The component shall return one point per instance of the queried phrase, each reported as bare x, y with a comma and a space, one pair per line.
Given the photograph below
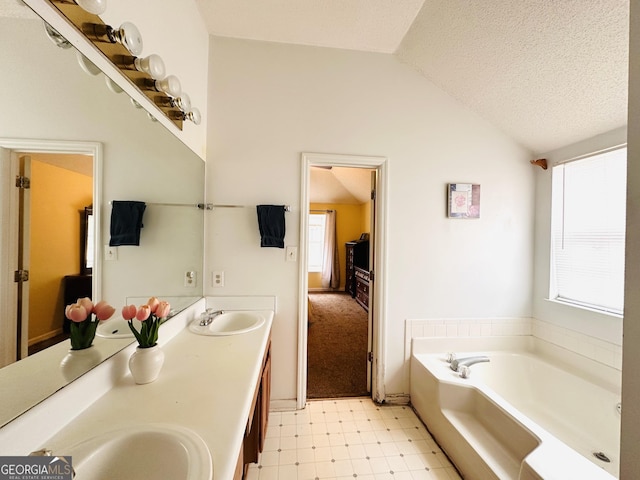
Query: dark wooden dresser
362, 287
357, 259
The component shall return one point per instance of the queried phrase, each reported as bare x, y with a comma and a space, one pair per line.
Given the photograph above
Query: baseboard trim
397, 399
282, 405
44, 336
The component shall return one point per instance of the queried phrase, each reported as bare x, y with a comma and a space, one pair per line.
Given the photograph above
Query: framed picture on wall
463, 200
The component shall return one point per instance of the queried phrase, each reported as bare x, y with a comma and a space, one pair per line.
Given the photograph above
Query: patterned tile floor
347, 439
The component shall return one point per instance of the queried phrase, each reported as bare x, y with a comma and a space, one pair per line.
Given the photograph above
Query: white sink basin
229, 323
143, 452
114, 328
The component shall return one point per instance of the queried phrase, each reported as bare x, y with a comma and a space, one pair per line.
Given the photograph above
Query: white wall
604, 327
270, 102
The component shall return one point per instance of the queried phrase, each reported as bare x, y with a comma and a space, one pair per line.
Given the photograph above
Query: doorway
351, 307
338, 340
45, 212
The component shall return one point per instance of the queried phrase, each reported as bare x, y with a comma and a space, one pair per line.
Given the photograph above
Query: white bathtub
535, 411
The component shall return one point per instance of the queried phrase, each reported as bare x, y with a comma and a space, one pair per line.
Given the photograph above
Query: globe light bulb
183, 102
169, 85
113, 86
194, 116
151, 65
87, 65
96, 7
128, 35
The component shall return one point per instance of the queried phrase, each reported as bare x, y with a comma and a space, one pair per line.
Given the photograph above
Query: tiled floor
347, 438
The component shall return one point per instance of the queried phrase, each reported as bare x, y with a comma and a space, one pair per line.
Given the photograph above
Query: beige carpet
336, 347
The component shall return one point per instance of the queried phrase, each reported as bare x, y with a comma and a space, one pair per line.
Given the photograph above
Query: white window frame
316, 221
588, 232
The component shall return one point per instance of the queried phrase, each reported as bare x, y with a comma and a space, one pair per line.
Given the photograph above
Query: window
316, 241
588, 230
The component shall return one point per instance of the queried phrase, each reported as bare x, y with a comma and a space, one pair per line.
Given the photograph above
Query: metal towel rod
204, 206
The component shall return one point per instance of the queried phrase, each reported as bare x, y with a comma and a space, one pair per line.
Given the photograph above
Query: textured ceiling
546, 72
371, 25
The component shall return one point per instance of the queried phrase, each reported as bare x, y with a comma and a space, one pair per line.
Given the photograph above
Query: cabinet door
265, 398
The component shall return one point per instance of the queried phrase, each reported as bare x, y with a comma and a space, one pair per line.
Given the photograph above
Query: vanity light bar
90, 25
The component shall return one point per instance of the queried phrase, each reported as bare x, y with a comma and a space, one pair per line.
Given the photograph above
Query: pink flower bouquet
151, 316
84, 316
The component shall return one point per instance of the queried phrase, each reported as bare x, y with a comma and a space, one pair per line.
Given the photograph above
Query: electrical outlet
190, 279
291, 254
110, 253
217, 279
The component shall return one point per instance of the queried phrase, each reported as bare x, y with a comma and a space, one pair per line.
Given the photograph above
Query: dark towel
126, 222
271, 223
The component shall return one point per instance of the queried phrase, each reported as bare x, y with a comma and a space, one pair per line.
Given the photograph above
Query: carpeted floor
336, 346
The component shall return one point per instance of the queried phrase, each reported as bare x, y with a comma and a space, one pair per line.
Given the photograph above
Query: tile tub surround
340, 439
206, 385
590, 347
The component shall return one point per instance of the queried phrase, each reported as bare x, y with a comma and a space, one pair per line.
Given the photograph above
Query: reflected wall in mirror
50, 97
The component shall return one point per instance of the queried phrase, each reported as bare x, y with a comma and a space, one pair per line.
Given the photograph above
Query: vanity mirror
46, 95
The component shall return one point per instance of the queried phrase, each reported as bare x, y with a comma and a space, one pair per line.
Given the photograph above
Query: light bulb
55, 36
169, 85
113, 86
93, 6
87, 65
151, 65
183, 102
194, 116
128, 35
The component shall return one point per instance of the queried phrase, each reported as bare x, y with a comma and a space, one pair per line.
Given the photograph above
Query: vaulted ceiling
546, 72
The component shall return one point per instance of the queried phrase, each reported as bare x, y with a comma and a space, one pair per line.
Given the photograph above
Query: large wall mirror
49, 94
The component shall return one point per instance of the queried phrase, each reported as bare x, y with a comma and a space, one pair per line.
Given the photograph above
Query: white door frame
22, 145
379, 295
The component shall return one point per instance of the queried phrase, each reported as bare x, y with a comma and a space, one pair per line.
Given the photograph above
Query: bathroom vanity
216, 387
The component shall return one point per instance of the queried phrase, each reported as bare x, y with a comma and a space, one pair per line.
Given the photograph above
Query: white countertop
206, 384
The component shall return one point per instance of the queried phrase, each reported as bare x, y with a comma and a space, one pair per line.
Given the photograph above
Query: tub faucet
462, 365
208, 317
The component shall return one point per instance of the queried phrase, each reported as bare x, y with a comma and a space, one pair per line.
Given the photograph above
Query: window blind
588, 231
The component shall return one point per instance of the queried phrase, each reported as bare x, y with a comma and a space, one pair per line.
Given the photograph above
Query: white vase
78, 362
145, 364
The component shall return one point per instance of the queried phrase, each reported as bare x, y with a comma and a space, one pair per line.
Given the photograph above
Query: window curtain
330, 262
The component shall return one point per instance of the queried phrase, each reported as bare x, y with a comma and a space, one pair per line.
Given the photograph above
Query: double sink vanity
205, 417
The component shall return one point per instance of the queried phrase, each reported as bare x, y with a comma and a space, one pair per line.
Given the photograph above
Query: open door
8, 259
372, 277
21, 276
14, 255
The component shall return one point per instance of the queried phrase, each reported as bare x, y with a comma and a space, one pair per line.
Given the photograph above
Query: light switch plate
110, 253
292, 254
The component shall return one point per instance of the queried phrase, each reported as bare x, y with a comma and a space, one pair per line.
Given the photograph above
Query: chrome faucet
208, 316
463, 365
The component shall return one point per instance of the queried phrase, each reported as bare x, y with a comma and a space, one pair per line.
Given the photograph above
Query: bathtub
536, 411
